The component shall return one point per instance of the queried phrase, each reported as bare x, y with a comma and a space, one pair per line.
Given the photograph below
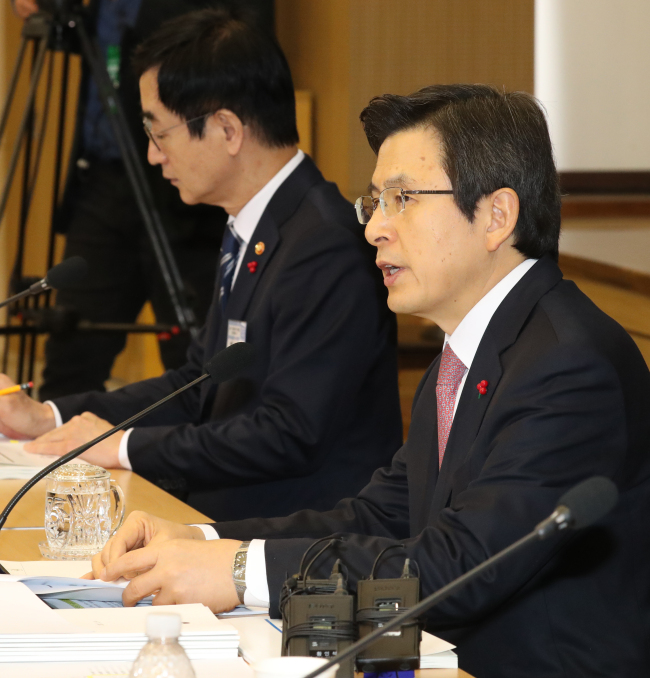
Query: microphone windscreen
590, 500
230, 362
68, 273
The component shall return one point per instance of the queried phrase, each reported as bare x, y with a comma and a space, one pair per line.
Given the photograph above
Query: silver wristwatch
239, 570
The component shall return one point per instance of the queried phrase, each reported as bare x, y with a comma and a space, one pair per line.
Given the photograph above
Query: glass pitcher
78, 516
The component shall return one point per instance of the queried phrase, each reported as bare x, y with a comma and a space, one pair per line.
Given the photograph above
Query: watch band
239, 570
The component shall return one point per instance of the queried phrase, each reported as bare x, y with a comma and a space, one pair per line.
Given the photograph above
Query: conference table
140, 494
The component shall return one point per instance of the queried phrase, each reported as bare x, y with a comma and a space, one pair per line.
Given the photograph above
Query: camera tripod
61, 30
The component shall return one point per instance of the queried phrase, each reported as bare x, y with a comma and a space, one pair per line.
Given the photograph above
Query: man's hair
489, 140
214, 59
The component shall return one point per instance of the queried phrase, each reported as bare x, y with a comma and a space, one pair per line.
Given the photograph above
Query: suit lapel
423, 435
281, 207
501, 332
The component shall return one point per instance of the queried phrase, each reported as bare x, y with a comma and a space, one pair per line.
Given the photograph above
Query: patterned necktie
449, 378
228, 262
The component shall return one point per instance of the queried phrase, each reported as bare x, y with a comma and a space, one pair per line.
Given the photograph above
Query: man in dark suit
302, 427
100, 218
543, 389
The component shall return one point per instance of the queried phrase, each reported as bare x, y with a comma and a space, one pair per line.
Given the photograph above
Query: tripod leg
12, 86
58, 162
36, 73
137, 177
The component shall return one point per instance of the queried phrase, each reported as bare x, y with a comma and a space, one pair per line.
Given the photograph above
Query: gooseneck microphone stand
581, 506
54, 32
222, 367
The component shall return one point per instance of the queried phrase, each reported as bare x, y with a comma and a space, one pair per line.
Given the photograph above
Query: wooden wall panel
399, 47
315, 37
347, 51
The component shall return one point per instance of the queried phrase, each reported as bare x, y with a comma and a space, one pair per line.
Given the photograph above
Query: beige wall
592, 59
347, 51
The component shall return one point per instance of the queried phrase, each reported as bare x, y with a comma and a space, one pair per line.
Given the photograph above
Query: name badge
236, 332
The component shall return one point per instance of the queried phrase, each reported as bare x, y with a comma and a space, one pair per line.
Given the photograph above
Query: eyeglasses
157, 137
391, 200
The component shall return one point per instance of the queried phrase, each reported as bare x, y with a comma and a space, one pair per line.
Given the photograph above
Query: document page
71, 588
22, 613
47, 568
15, 463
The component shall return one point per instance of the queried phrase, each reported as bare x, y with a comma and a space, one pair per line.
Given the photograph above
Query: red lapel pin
252, 266
482, 387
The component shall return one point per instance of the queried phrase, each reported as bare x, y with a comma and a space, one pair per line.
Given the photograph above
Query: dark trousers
106, 229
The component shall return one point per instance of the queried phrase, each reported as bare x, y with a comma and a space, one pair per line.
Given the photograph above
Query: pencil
16, 388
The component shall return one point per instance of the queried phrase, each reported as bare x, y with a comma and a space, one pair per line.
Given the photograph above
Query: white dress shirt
467, 336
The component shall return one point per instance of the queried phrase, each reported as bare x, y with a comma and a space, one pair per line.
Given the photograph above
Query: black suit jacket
319, 411
568, 398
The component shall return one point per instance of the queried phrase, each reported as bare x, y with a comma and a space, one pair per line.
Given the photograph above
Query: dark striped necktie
228, 263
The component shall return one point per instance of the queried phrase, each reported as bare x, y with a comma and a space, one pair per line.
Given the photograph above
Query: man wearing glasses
99, 213
319, 411
535, 390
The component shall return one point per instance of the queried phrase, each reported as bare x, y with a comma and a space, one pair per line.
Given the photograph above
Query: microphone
581, 506
63, 276
222, 367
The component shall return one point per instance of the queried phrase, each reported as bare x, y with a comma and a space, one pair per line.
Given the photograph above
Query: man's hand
24, 8
77, 431
180, 571
170, 560
140, 529
21, 416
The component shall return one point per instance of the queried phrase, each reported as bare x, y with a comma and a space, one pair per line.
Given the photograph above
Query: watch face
239, 565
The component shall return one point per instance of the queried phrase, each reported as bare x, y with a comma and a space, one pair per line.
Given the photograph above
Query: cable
304, 555
381, 553
313, 560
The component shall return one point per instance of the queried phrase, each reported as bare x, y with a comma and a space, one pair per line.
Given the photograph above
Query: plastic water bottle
162, 656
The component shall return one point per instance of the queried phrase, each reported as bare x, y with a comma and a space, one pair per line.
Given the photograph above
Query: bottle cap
163, 625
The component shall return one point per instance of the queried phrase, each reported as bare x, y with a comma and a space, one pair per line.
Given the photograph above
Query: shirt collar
467, 336
246, 221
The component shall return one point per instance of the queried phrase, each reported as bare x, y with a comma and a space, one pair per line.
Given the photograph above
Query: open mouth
390, 271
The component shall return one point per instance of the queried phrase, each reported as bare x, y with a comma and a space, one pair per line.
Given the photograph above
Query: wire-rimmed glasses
157, 137
392, 201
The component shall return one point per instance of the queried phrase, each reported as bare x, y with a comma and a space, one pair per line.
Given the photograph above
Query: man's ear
504, 212
230, 128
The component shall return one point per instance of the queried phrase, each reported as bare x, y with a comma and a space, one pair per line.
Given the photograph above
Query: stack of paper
436, 653
32, 632
16, 463
228, 668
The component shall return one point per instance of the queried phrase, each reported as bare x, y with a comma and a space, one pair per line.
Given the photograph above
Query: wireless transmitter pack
379, 601
318, 615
